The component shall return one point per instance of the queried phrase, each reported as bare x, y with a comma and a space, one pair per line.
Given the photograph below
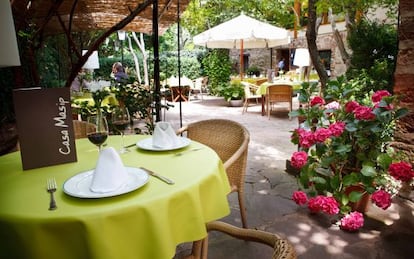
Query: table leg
263, 100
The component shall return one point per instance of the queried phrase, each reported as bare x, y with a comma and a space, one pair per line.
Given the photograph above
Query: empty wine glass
97, 130
121, 120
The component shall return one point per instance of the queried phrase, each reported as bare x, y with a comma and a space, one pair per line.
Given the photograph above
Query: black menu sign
45, 127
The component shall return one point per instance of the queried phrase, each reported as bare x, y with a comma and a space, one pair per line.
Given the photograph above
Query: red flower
351, 106
321, 134
299, 159
315, 204
364, 113
306, 138
317, 100
325, 204
353, 221
382, 199
300, 197
401, 171
378, 95
337, 128
330, 206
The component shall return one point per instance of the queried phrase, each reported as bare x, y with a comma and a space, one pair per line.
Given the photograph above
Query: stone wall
261, 57
404, 77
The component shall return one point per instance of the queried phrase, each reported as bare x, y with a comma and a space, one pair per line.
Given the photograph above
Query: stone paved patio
386, 234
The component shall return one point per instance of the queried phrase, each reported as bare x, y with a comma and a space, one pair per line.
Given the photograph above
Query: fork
187, 151
51, 188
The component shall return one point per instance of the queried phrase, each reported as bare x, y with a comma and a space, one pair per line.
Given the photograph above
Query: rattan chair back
278, 93
230, 140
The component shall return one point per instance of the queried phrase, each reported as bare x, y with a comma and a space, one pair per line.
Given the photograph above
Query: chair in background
179, 94
79, 127
261, 81
230, 140
282, 248
277, 94
249, 94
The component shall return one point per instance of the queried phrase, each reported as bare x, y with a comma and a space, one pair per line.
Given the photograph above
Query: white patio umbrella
242, 32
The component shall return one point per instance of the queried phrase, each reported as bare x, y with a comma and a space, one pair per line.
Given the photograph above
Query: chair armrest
181, 130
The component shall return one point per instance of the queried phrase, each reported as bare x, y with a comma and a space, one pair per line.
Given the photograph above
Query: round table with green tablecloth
148, 222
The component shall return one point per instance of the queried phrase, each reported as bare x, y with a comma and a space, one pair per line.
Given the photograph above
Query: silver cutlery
162, 178
51, 188
186, 151
130, 145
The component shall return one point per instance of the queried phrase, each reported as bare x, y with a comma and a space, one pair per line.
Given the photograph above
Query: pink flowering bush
342, 142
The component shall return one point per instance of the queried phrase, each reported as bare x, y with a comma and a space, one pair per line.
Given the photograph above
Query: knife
130, 145
162, 178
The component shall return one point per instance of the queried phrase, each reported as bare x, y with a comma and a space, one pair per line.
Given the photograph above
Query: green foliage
374, 54
202, 15
190, 66
217, 67
253, 70
232, 91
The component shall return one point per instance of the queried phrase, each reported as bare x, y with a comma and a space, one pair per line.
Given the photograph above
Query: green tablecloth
146, 223
262, 88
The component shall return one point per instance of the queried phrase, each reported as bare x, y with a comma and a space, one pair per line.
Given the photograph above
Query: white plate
78, 185
147, 144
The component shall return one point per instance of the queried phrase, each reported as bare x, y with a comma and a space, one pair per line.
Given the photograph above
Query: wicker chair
79, 127
282, 248
230, 140
278, 93
249, 94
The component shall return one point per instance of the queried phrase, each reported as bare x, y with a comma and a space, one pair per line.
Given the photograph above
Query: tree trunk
404, 78
313, 49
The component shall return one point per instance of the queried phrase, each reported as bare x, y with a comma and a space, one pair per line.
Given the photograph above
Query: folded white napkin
110, 173
164, 136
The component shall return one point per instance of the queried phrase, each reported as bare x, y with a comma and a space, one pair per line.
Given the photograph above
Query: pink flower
321, 134
332, 105
351, 106
325, 204
353, 221
378, 95
401, 171
382, 199
300, 197
306, 138
315, 204
337, 128
317, 100
330, 206
299, 159
364, 113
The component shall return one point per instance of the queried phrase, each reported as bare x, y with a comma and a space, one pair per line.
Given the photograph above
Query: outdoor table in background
146, 223
261, 90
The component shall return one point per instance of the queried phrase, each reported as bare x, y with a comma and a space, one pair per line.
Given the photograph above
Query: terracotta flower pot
364, 201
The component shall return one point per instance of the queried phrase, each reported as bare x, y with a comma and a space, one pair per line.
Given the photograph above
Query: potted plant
253, 71
343, 143
233, 93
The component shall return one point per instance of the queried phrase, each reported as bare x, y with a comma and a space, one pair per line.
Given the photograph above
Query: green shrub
217, 67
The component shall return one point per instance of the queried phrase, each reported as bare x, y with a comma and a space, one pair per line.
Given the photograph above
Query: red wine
98, 138
120, 125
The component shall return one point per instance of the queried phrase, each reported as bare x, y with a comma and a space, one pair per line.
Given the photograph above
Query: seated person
118, 72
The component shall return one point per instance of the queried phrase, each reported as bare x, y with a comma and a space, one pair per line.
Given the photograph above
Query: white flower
95, 86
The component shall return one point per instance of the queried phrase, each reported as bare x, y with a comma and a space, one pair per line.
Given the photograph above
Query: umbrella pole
241, 60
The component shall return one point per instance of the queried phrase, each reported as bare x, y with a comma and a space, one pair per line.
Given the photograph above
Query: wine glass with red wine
97, 130
121, 120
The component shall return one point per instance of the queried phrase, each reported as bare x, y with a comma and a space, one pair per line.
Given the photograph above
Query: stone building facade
267, 58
